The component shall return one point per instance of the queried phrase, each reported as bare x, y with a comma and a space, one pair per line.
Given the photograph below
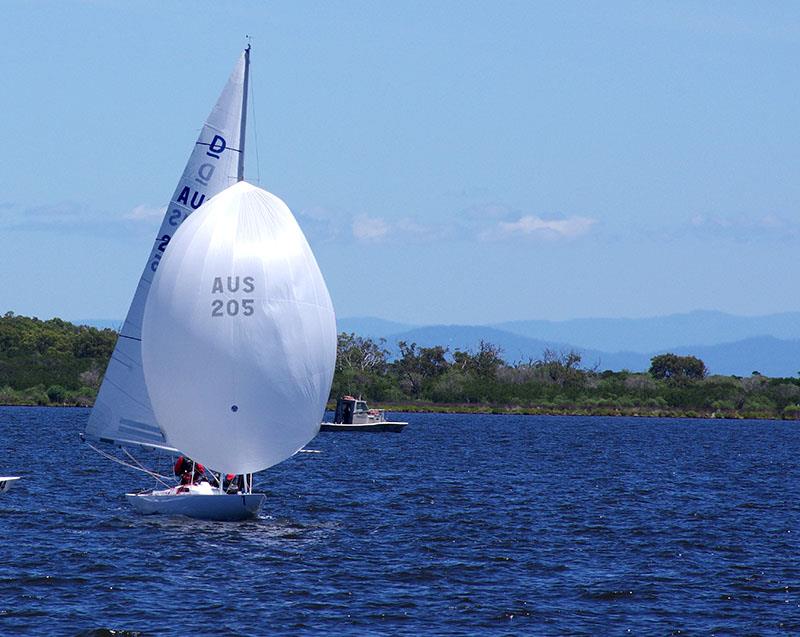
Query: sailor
229, 483
188, 471
233, 483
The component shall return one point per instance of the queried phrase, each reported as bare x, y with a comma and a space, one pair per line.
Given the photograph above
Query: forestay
122, 413
241, 384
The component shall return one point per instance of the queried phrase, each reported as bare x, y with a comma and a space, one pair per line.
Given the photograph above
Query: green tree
49, 353
561, 368
359, 353
417, 366
483, 364
361, 366
56, 393
674, 367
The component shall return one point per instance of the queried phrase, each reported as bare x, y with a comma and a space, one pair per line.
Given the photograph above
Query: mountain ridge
700, 327
739, 345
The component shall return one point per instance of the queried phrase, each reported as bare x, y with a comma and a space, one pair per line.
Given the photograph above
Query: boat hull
6, 482
221, 507
374, 427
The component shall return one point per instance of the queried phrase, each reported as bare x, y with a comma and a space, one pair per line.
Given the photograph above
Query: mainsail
122, 413
243, 381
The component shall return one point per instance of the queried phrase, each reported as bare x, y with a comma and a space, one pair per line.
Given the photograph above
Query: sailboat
227, 353
6, 482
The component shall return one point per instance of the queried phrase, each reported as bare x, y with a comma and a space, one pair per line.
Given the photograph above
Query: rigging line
255, 129
157, 476
108, 456
237, 150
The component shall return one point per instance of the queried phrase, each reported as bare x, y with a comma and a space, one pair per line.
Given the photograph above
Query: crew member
188, 471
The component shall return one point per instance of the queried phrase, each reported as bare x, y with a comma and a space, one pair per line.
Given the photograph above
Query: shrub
791, 412
56, 394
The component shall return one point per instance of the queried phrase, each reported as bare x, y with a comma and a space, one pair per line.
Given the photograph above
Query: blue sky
450, 162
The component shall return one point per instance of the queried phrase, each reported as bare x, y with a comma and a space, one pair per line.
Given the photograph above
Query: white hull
376, 426
6, 482
201, 502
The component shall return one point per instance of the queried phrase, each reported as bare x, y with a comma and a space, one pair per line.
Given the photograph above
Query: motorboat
355, 415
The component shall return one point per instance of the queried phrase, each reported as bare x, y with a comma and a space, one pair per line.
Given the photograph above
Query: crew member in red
229, 483
233, 483
188, 471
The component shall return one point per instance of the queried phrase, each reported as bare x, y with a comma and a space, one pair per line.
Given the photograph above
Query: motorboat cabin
354, 415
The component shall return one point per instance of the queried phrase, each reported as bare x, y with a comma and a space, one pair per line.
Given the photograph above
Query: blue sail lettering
216, 147
197, 197
204, 173
197, 204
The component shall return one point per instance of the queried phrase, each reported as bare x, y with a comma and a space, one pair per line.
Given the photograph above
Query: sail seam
129, 395
142, 436
236, 150
128, 366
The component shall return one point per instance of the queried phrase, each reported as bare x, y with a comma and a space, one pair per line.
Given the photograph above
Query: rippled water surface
459, 525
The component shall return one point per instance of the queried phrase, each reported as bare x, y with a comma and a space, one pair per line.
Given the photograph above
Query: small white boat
6, 482
198, 501
355, 415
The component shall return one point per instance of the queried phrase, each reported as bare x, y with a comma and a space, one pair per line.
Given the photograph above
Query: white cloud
146, 213
410, 227
744, 227
367, 228
74, 217
46, 216
535, 226
71, 214
322, 224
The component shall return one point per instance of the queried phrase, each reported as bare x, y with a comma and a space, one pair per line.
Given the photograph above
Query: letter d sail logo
216, 147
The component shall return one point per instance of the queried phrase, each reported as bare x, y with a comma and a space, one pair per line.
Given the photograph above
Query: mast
240, 175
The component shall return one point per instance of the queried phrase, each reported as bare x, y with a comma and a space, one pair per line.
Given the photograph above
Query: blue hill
766, 354
371, 326
728, 344
653, 333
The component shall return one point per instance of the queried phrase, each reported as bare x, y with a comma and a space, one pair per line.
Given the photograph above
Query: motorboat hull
353, 414
201, 506
6, 482
375, 427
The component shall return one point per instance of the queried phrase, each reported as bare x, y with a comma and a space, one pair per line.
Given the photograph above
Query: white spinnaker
239, 335
122, 413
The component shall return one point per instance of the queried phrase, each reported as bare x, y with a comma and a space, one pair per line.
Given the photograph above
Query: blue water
460, 525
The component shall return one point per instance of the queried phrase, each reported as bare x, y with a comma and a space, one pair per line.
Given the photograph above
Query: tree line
54, 362
557, 382
51, 362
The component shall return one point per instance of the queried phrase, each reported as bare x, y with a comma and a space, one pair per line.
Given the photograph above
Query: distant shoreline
621, 412
57, 363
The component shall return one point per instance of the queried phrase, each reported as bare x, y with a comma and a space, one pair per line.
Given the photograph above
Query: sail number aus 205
233, 306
